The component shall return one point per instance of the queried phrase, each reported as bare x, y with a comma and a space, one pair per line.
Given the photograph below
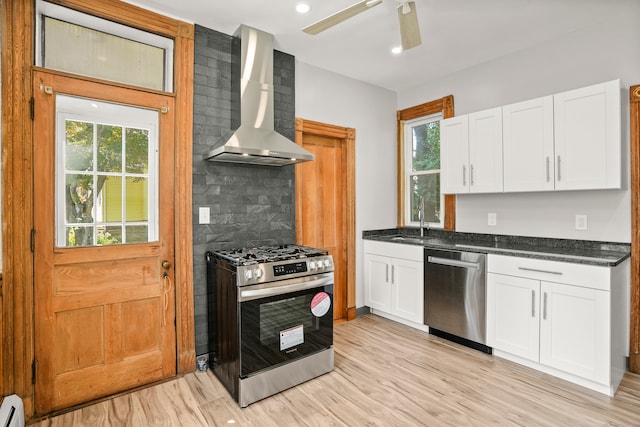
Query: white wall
591, 55
334, 99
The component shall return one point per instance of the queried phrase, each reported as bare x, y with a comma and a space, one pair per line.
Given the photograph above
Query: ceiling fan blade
338, 17
409, 29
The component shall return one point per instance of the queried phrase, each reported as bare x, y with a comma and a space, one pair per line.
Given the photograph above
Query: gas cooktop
266, 254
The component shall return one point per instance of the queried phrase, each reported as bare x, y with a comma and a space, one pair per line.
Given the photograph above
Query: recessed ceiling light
303, 8
396, 50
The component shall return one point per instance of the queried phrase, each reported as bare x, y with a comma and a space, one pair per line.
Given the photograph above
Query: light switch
204, 214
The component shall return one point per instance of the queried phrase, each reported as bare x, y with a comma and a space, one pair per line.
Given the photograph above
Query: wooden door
104, 296
325, 204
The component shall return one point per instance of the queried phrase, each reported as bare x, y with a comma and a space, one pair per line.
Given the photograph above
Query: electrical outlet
204, 214
492, 219
581, 222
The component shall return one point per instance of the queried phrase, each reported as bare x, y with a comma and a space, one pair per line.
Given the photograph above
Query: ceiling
456, 34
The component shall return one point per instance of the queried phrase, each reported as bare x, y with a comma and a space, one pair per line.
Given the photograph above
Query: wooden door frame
17, 179
634, 123
348, 136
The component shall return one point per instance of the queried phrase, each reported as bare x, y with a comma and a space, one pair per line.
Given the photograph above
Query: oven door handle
251, 294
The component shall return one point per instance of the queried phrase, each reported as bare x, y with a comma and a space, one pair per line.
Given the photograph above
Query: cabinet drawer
394, 250
588, 276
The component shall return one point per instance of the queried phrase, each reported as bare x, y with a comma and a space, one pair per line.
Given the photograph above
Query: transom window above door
70, 41
106, 173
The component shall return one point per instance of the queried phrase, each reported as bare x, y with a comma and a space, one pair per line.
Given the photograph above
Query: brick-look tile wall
250, 205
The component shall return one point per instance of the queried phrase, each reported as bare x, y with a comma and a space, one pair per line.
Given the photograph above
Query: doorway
104, 240
325, 204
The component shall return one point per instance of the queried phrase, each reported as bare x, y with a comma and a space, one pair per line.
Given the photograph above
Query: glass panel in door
106, 190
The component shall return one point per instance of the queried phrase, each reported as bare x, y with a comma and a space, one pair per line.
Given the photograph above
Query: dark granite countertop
606, 254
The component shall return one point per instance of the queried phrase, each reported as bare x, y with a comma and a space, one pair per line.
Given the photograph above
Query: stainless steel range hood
253, 138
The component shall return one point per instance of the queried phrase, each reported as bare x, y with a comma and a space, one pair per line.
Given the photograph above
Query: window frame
408, 157
442, 105
96, 23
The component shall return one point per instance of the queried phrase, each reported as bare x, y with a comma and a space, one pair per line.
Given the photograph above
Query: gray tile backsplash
250, 205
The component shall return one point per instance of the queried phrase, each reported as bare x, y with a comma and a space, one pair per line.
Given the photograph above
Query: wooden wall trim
17, 204
130, 15
17, 145
185, 315
444, 105
634, 111
349, 136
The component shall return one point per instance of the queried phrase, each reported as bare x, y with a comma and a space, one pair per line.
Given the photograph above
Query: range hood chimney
253, 139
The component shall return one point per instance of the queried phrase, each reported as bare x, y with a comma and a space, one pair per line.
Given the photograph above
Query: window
82, 44
106, 169
422, 170
419, 165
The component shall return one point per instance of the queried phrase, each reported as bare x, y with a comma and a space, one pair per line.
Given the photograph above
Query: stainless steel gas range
270, 318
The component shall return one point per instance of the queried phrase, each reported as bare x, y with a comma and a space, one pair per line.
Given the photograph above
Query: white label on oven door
320, 304
291, 337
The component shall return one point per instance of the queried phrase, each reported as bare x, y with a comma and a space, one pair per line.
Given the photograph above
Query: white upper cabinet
587, 137
454, 155
567, 141
528, 145
485, 151
471, 153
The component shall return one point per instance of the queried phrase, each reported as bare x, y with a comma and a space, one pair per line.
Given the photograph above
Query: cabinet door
454, 155
587, 137
513, 315
528, 145
377, 282
408, 290
574, 330
485, 151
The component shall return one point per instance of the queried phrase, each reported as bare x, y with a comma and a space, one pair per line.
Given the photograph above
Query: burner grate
265, 254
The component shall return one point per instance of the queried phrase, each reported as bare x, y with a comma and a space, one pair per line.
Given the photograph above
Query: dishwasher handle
452, 262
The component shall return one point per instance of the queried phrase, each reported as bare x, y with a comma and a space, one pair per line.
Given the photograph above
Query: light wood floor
385, 374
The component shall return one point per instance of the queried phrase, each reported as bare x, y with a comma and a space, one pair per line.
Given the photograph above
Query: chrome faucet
421, 216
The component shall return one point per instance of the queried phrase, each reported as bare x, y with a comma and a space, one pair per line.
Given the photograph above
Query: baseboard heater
12, 412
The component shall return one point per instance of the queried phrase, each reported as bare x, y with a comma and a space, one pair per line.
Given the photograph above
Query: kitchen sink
408, 239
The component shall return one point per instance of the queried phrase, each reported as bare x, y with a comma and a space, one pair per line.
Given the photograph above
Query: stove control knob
248, 274
257, 273
327, 263
312, 265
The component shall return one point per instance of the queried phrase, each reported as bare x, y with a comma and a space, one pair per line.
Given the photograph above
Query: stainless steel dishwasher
455, 296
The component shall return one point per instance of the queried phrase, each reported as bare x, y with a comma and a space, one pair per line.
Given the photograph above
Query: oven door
283, 321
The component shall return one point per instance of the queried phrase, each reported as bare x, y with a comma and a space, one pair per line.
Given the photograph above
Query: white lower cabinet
574, 330
564, 319
513, 321
393, 278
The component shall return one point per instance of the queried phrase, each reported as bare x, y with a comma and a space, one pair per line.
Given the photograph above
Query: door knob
166, 264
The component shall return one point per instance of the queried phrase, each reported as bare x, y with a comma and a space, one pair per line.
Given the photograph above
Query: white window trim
105, 26
408, 158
